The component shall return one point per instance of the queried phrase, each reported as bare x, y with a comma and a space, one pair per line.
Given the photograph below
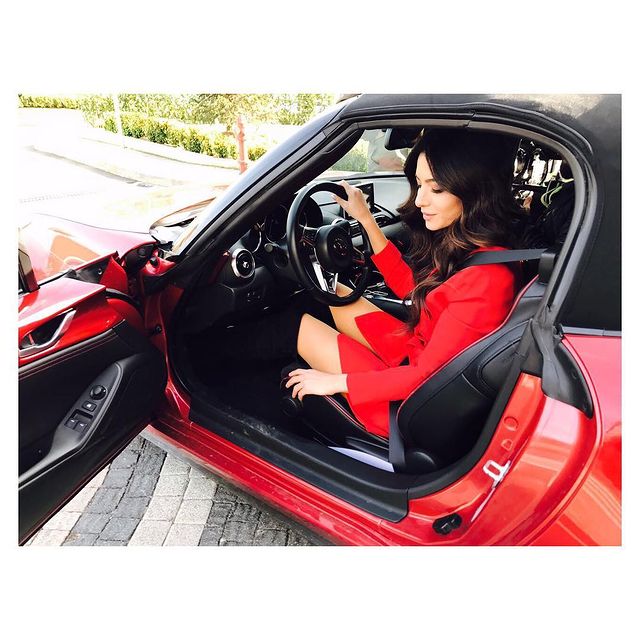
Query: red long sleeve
395, 271
465, 308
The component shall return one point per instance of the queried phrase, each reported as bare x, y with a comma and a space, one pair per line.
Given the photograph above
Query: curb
66, 152
108, 168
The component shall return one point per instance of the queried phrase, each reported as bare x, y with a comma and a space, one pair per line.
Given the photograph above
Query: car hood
56, 244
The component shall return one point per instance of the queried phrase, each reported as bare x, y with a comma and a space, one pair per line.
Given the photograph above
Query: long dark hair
477, 167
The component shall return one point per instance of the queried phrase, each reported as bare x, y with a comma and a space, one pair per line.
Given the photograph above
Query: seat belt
499, 257
396, 445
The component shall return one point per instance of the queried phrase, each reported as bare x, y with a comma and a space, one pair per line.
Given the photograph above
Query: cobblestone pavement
147, 497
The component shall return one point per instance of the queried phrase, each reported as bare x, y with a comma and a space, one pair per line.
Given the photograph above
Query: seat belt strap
396, 446
499, 257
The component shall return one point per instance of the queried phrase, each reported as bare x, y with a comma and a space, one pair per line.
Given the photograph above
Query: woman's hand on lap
315, 383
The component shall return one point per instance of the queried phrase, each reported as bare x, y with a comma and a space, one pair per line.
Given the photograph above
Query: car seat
442, 418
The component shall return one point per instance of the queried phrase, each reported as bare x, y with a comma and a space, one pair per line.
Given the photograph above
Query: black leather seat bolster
445, 413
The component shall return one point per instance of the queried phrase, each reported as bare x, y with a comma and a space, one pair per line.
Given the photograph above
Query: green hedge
219, 145
98, 111
256, 152
47, 102
355, 160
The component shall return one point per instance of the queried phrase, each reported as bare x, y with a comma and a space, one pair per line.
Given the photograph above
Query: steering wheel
320, 254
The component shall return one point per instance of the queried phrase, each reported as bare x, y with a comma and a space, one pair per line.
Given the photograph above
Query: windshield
261, 173
369, 155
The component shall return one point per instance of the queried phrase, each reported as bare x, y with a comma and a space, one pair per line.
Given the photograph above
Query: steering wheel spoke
328, 281
308, 236
359, 257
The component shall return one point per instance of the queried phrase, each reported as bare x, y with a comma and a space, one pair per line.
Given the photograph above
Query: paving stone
183, 535
198, 472
150, 532
268, 521
110, 543
193, 512
150, 462
105, 500
91, 523
270, 537
225, 494
137, 444
80, 501
63, 520
118, 477
174, 466
96, 481
141, 485
119, 529
130, 507
127, 458
49, 538
170, 485
294, 539
243, 498
240, 532
211, 536
219, 514
80, 539
199, 487
245, 513
163, 508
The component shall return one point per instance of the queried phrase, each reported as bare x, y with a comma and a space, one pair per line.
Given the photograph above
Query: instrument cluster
273, 228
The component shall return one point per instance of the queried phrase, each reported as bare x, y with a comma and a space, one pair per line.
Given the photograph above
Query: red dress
464, 308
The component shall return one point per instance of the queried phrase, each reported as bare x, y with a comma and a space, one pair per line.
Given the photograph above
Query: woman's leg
345, 317
318, 345
318, 342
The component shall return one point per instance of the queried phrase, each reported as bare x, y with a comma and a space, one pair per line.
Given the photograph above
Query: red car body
550, 474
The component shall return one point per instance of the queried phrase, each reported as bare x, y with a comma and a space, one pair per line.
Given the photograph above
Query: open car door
89, 379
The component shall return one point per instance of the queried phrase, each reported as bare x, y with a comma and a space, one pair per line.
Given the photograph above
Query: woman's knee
342, 290
318, 344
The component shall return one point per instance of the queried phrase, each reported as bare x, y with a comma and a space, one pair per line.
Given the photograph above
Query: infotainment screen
367, 189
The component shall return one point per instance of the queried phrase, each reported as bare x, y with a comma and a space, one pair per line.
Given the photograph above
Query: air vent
381, 218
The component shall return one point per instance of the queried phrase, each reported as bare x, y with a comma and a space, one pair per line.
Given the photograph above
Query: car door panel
93, 314
63, 441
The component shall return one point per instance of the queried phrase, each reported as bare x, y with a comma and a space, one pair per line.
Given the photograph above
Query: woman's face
439, 208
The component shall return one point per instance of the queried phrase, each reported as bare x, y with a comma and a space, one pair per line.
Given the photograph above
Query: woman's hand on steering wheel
356, 205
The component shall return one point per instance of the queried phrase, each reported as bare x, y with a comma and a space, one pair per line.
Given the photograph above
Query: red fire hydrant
242, 153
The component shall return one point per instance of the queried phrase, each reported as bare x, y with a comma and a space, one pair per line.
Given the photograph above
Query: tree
226, 107
297, 108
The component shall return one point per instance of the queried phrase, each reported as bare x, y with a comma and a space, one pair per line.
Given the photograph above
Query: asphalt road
54, 186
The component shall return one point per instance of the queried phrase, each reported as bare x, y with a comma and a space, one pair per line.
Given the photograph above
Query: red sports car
515, 440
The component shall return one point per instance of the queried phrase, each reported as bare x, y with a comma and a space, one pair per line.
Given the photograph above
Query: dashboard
258, 272
384, 195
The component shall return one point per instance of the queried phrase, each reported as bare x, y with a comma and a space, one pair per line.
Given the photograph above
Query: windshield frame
264, 171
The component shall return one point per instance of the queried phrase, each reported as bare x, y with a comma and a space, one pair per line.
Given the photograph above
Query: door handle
30, 345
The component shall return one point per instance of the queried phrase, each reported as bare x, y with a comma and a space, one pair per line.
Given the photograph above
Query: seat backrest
445, 414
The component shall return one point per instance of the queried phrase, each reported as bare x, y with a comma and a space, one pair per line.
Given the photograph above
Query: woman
460, 203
